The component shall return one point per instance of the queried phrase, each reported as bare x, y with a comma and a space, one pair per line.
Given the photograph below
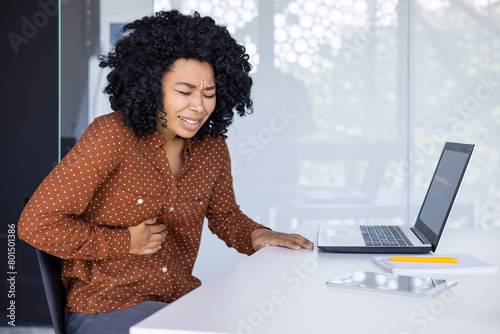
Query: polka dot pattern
112, 179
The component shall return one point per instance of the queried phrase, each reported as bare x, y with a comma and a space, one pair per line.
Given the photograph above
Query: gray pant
117, 322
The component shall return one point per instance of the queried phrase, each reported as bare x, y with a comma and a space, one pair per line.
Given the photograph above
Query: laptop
424, 236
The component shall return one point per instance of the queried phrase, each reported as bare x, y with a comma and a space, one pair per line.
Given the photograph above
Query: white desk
280, 291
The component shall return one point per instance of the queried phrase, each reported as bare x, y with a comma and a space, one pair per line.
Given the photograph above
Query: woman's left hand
262, 237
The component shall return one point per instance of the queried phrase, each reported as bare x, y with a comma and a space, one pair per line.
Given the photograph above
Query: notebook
424, 236
466, 264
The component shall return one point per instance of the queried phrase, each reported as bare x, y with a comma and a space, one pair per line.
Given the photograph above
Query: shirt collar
156, 140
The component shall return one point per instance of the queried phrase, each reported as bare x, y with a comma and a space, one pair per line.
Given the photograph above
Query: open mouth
189, 121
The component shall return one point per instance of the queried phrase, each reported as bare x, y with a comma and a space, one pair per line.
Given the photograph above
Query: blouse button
201, 203
140, 201
164, 269
171, 209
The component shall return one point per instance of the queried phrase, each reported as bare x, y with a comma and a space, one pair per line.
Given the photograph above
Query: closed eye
189, 93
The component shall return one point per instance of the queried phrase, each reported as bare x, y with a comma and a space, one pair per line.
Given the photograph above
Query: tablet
389, 283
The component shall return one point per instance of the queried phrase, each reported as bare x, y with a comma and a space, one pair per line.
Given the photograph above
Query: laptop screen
443, 190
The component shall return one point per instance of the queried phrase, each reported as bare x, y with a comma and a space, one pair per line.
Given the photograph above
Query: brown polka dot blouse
112, 179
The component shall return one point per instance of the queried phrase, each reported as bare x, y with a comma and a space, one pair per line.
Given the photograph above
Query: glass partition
88, 28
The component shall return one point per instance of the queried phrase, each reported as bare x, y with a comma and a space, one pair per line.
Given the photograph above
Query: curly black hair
147, 51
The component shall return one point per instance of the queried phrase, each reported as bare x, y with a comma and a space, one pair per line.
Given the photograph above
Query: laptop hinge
421, 236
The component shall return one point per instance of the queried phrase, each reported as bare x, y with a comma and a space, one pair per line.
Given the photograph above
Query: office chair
50, 267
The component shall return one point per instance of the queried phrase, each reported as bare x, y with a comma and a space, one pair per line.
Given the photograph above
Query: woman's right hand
147, 237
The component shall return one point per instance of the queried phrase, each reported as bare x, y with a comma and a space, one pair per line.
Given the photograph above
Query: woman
125, 207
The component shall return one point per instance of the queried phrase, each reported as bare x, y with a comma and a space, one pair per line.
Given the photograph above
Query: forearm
235, 229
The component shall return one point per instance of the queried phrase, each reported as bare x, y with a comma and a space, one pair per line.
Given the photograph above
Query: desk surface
278, 290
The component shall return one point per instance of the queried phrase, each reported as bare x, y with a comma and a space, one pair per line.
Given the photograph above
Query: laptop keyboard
384, 236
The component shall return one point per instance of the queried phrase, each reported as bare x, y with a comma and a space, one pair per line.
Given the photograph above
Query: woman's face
188, 98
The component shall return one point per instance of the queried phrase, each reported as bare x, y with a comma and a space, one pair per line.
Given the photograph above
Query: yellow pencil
423, 259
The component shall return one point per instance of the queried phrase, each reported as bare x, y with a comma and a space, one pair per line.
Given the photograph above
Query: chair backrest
50, 267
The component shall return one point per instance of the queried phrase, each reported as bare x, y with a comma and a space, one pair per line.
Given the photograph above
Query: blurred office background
353, 102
